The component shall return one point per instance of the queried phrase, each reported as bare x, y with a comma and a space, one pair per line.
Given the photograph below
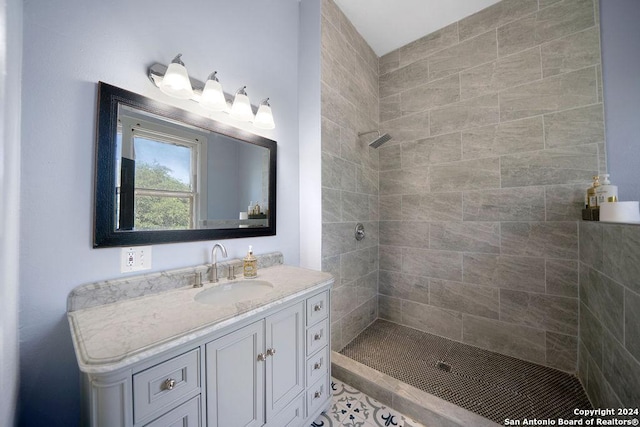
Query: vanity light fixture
175, 81
241, 107
212, 95
264, 117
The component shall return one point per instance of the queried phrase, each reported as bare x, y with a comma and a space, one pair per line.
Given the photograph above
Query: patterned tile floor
352, 408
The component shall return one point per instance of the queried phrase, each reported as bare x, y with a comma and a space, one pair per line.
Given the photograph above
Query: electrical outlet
135, 259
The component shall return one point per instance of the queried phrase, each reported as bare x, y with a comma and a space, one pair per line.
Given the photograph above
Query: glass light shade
213, 97
264, 117
241, 108
176, 82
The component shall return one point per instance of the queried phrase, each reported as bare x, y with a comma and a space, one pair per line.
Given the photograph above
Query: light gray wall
609, 353
497, 126
10, 71
70, 45
620, 64
349, 95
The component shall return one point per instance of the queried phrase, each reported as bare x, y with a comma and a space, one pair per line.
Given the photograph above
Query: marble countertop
113, 336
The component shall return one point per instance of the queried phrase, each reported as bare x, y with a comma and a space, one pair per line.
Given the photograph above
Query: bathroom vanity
235, 353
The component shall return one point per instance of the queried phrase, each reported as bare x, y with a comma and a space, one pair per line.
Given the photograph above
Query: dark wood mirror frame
105, 233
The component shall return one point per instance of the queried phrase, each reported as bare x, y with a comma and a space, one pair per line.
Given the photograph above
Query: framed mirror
166, 175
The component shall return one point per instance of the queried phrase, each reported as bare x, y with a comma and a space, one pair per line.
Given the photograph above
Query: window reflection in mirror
172, 176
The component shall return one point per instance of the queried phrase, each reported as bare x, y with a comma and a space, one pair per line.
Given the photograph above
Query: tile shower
472, 208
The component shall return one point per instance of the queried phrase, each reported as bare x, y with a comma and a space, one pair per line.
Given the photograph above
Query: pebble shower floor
487, 383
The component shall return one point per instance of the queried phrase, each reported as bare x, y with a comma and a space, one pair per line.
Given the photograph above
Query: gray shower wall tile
404, 233
584, 125
571, 53
507, 204
390, 107
337, 238
331, 205
622, 372
404, 286
621, 254
391, 208
390, 258
358, 44
545, 3
494, 16
336, 335
568, 165
432, 263
390, 308
599, 390
562, 277
591, 236
599, 82
335, 44
434, 320
591, 334
513, 340
407, 77
438, 149
330, 138
548, 95
632, 323
354, 322
465, 236
504, 138
427, 45
390, 157
562, 351
434, 94
404, 181
432, 207
604, 298
506, 72
372, 236
367, 287
548, 312
561, 19
407, 128
505, 272
343, 300
332, 265
354, 206
367, 180
336, 108
389, 62
337, 173
466, 54
470, 299
564, 202
540, 239
479, 111
465, 175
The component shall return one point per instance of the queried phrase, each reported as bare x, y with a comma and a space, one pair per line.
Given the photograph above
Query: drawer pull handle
262, 357
271, 351
317, 307
317, 365
318, 336
169, 384
317, 394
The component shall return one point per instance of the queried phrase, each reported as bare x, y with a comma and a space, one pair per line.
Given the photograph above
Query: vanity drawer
317, 308
162, 386
318, 365
317, 336
317, 395
291, 416
185, 415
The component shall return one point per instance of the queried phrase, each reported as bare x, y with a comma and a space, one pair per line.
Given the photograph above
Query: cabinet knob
262, 357
317, 365
317, 394
317, 307
169, 384
271, 351
317, 336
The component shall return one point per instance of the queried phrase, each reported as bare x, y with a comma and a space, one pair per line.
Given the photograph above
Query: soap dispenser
250, 265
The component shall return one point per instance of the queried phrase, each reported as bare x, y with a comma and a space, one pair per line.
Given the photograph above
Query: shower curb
415, 403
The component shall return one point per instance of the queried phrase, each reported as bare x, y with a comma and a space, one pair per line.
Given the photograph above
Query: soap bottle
250, 265
606, 192
592, 196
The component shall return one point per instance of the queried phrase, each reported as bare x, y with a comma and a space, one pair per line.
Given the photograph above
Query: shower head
381, 139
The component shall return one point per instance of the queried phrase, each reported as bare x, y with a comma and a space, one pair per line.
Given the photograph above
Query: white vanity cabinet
270, 368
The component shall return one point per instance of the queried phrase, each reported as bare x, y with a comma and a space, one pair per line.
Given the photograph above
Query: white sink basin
234, 292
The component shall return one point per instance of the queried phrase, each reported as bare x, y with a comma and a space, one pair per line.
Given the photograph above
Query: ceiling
388, 24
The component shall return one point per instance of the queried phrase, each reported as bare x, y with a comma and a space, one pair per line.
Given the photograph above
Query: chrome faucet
214, 265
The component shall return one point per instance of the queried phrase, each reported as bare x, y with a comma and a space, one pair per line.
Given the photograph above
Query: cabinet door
285, 357
235, 378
